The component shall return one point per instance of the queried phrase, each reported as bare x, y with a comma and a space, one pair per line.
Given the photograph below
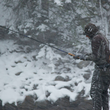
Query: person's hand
76, 57
81, 57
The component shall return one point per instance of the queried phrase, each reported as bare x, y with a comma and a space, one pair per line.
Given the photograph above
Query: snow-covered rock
23, 74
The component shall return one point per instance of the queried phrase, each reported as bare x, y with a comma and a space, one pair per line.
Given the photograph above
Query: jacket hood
90, 30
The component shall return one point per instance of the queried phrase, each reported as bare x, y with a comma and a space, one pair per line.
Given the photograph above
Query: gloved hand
81, 57
76, 57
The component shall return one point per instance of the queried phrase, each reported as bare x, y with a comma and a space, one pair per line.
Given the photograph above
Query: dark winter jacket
100, 50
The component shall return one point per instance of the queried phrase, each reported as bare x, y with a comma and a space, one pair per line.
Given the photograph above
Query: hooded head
90, 30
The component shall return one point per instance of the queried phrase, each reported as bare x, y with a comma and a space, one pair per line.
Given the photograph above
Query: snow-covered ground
36, 73
23, 74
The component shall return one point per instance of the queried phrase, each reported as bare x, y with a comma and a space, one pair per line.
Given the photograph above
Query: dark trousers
99, 88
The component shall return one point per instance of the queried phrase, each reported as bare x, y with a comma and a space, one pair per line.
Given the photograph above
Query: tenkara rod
3, 27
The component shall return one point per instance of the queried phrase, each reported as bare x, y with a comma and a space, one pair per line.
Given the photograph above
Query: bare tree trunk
45, 10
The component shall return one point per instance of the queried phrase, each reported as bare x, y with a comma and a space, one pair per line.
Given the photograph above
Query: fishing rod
3, 27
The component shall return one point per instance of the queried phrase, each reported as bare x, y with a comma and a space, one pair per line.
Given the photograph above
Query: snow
21, 75
43, 27
68, 1
58, 2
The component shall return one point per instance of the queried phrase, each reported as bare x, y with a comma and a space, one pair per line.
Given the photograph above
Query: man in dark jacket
101, 75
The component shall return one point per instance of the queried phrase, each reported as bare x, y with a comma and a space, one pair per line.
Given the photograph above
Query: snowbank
22, 75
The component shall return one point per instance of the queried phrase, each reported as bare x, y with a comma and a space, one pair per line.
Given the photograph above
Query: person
101, 75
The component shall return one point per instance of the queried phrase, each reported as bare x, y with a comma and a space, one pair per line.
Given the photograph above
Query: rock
86, 76
61, 104
28, 49
28, 104
59, 78
43, 105
35, 86
0, 105
35, 72
83, 64
76, 83
10, 107
55, 73
18, 62
67, 78
18, 73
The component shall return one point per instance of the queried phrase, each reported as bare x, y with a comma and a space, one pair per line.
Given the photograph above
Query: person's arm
96, 45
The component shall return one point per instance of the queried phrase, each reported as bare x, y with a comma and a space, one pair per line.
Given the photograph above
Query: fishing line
3, 27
